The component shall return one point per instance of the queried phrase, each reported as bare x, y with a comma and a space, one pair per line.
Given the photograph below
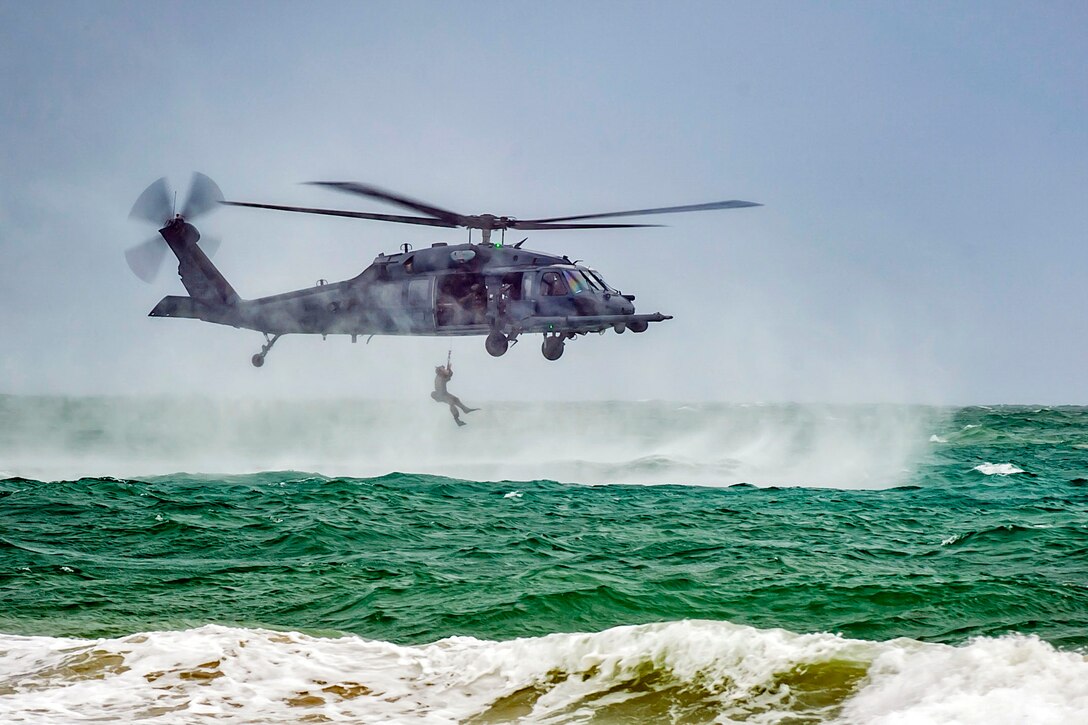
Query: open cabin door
460, 300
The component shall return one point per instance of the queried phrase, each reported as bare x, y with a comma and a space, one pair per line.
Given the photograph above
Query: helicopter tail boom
204, 282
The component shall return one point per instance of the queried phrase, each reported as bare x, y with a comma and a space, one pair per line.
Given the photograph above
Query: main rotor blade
424, 221
660, 210
374, 192
153, 204
204, 195
548, 225
145, 259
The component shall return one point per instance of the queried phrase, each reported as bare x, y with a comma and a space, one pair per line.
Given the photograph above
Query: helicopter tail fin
204, 282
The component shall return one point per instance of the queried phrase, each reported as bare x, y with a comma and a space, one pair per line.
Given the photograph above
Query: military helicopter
482, 288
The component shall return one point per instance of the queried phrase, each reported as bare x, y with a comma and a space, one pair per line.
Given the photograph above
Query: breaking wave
998, 469
691, 671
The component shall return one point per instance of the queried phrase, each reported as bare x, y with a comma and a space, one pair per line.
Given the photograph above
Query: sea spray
647, 443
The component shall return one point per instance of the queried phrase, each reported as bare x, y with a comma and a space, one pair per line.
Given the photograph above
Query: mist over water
576, 442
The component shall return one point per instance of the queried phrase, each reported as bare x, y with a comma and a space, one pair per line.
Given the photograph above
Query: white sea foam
1004, 680
937, 439
998, 469
700, 671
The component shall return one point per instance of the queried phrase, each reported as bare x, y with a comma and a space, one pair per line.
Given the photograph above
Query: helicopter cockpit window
553, 285
593, 283
597, 276
576, 282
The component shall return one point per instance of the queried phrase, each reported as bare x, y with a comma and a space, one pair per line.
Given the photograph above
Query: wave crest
695, 671
998, 469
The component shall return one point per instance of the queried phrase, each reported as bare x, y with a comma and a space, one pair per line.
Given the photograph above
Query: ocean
187, 560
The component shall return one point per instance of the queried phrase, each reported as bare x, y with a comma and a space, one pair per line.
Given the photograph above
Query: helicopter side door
419, 303
551, 294
563, 293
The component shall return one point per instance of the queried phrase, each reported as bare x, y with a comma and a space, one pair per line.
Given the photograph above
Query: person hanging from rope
441, 395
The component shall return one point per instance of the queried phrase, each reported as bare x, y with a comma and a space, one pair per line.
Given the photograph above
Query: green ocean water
981, 532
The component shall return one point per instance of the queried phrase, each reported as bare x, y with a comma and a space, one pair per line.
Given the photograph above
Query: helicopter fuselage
442, 290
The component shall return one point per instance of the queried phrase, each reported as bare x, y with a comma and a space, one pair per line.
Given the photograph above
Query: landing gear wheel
496, 344
638, 325
552, 348
270, 340
619, 327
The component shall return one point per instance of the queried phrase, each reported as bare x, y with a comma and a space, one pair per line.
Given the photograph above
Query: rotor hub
487, 221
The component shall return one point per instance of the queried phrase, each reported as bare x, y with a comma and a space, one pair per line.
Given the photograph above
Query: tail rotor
145, 259
156, 205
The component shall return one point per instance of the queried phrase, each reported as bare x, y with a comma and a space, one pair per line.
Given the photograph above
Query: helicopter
475, 288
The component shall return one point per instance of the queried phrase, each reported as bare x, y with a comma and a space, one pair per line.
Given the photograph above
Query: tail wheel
552, 348
496, 344
257, 360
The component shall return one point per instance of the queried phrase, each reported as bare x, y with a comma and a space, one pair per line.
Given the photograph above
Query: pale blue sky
924, 168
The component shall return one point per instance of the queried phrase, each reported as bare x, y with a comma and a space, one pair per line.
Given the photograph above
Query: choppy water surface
855, 564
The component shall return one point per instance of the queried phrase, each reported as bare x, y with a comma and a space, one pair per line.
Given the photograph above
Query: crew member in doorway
441, 378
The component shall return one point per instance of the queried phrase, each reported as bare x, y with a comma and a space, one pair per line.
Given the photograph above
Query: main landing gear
555, 342
258, 359
553, 346
497, 344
